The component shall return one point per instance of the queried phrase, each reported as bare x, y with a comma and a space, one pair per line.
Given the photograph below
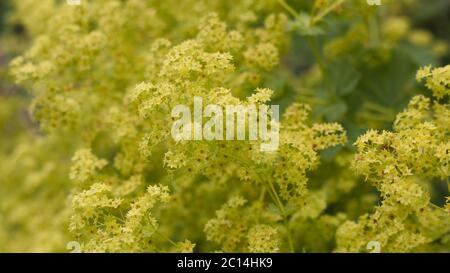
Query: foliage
364, 149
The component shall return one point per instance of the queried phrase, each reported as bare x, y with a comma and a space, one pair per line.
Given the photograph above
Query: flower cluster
87, 155
401, 164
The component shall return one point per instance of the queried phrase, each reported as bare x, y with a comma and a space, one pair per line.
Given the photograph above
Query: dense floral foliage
364, 148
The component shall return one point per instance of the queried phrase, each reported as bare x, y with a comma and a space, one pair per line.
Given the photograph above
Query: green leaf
302, 25
342, 78
334, 111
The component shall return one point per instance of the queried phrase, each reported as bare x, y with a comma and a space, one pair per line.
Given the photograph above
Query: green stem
276, 199
285, 216
262, 195
312, 42
289, 237
165, 238
285, 219
374, 33
159, 233
288, 8
378, 108
322, 14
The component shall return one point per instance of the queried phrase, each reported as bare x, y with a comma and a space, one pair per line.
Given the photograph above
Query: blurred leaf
284, 93
334, 111
342, 78
302, 25
330, 153
420, 56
